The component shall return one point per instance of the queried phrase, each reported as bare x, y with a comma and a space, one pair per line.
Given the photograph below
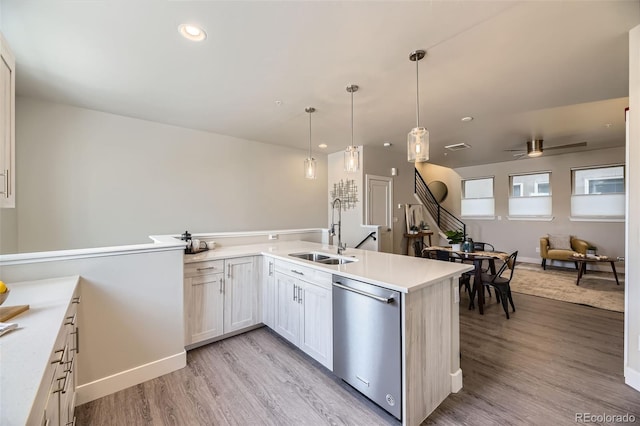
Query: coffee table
583, 261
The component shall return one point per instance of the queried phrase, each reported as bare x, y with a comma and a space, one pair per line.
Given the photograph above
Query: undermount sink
322, 258
314, 257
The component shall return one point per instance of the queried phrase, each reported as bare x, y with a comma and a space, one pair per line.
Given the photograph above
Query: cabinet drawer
203, 268
305, 273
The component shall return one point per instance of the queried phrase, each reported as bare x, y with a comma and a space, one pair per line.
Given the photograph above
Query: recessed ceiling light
192, 32
466, 119
278, 102
608, 125
387, 144
322, 145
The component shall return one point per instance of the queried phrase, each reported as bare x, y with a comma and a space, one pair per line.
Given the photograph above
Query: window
530, 195
477, 198
598, 192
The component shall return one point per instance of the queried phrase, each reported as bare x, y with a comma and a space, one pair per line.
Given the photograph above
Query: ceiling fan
535, 149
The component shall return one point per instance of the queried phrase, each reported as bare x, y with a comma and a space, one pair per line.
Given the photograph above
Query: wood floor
550, 361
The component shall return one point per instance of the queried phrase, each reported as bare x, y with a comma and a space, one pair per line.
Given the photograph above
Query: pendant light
310, 162
418, 137
351, 155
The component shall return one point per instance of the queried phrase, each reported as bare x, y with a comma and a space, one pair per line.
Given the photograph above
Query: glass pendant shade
418, 137
351, 159
310, 167
418, 145
351, 154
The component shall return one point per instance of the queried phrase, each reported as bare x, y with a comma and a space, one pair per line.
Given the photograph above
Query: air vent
457, 146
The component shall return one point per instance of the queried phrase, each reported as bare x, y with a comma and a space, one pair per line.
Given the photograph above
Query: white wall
511, 235
92, 179
130, 315
632, 269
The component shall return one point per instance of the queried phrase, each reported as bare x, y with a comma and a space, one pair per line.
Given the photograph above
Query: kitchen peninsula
428, 308
115, 279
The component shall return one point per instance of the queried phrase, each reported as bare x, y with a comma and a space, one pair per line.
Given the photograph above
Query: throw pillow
560, 242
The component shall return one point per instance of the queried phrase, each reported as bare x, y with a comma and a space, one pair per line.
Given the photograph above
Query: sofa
561, 247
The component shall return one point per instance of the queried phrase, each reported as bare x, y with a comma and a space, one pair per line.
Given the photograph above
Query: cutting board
9, 312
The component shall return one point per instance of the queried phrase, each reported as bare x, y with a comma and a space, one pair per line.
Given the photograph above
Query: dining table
477, 257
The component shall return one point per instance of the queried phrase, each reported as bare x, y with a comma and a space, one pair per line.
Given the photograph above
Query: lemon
3, 287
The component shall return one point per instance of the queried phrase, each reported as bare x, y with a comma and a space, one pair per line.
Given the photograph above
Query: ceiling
556, 70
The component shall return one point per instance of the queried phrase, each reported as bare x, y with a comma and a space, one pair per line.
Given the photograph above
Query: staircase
445, 220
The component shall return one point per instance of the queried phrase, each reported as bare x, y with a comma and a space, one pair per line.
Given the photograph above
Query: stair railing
446, 220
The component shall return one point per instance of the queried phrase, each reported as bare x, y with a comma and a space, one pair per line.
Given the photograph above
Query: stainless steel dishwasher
366, 341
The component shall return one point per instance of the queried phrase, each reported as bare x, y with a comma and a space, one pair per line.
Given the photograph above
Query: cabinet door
287, 315
205, 316
316, 330
268, 292
7, 127
241, 293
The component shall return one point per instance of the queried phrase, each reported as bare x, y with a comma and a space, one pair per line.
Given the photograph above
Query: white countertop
25, 352
396, 272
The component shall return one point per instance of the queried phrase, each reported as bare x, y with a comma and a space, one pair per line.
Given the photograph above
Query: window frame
478, 200
541, 199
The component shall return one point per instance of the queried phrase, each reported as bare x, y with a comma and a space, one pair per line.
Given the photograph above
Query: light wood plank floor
549, 361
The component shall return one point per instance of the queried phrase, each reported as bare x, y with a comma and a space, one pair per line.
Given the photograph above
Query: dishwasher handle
364, 293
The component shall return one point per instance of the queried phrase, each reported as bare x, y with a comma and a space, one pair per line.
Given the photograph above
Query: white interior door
379, 209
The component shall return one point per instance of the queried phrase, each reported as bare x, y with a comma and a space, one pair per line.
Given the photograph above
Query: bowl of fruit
4, 292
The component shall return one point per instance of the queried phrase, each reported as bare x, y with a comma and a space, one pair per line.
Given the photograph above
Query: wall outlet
537, 249
273, 236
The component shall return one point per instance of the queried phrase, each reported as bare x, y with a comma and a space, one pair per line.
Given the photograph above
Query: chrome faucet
341, 247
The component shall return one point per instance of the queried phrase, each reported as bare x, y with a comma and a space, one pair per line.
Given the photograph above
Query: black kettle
467, 245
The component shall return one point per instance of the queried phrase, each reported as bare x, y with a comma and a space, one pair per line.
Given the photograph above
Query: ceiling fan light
534, 148
418, 145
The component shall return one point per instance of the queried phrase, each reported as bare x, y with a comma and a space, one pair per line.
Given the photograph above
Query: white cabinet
303, 312
7, 129
61, 396
220, 297
204, 300
268, 292
242, 292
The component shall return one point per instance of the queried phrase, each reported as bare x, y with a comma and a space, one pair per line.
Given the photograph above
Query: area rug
597, 289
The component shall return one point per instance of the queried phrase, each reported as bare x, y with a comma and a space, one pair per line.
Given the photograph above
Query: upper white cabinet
7, 132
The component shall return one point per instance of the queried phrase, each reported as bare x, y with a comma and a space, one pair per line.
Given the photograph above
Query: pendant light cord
417, 96
309, 134
352, 147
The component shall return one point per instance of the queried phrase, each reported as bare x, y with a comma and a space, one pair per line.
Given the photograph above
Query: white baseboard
632, 377
456, 381
117, 382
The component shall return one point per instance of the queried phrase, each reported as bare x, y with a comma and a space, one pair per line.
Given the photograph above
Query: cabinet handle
270, 269
5, 184
76, 300
58, 361
297, 272
295, 288
77, 333
299, 294
221, 285
206, 269
229, 271
64, 383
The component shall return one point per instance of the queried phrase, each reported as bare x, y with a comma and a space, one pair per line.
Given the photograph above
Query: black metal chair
480, 246
465, 278
418, 246
502, 284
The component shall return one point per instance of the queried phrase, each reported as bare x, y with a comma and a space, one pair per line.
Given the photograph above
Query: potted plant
424, 226
455, 238
414, 229
591, 250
